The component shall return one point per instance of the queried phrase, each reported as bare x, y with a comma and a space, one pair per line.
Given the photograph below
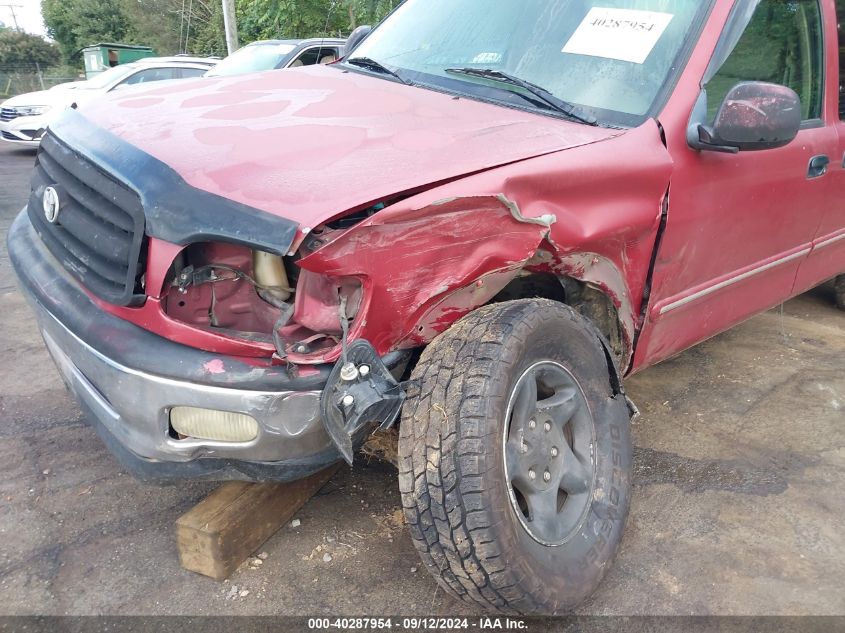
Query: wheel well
590, 302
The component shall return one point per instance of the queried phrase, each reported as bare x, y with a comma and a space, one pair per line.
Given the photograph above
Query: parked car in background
24, 118
275, 54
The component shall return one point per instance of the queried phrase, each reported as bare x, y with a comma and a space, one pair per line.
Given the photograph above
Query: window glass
311, 56
107, 77
608, 56
186, 73
150, 74
253, 58
782, 44
840, 19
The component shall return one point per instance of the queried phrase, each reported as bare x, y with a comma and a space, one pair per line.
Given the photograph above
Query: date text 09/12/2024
418, 624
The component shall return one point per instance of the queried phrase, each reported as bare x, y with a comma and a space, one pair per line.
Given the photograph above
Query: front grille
98, 235
7, 114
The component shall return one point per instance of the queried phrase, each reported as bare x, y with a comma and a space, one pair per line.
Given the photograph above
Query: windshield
107, 77
610, 57
252, 58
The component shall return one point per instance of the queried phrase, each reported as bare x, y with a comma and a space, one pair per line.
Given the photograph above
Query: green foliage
154, 23
776, 46
59, 20
270, 19
167, 25
206, 35
78, 23
23, 49
281, 19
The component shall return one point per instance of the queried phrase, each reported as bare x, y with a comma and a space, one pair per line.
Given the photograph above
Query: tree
196, 26
368, 11
204, 33
154, 23
100, 21
269, 19
78, 23
23, 49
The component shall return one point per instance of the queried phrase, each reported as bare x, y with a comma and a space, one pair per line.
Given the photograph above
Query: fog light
208, 424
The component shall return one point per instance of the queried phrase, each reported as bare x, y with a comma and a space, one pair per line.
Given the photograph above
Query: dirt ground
738, 505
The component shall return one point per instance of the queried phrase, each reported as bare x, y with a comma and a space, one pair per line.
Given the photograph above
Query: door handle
818, 166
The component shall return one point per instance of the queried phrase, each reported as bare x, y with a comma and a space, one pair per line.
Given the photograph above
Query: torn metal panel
412, 259
606, 240
602, 274
457, 304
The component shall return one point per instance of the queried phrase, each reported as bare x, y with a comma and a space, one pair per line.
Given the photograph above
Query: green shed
100, 57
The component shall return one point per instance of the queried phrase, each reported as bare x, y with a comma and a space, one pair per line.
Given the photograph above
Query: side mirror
355, 38
754, 116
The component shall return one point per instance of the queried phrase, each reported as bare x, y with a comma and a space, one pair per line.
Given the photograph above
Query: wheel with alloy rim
514, 458
548, 453
839, 290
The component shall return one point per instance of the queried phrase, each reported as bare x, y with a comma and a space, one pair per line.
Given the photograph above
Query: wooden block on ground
222, 530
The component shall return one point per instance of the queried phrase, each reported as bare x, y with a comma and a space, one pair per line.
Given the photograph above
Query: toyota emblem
52, 204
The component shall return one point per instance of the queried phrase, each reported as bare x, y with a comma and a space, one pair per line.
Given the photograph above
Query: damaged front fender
425, 267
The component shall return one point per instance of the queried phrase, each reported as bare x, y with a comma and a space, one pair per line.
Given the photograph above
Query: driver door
739, 225
828, 257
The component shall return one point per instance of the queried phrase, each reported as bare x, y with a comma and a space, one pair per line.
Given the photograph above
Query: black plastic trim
98, 234
811, 124
175, 211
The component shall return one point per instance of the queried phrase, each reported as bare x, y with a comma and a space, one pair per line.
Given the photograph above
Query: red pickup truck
475, 226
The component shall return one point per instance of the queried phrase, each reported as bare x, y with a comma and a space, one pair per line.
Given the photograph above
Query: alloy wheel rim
548, 451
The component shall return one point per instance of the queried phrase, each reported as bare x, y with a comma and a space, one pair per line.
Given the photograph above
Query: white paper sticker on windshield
625, 34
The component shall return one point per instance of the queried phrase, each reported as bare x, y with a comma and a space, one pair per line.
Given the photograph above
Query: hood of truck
313, 143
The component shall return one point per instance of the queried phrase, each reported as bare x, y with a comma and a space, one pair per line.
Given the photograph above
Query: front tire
515, 458
839, 291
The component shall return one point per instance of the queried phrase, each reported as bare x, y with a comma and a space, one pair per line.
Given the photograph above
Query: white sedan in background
276, 54
24, 118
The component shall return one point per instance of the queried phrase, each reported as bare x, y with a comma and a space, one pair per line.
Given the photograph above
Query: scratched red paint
475, 236
214, 366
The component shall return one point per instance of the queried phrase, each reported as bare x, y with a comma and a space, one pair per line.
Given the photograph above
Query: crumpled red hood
311, 143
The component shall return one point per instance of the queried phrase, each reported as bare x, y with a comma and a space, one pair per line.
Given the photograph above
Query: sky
28, 13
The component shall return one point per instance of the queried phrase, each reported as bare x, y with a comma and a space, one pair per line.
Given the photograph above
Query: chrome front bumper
134, 407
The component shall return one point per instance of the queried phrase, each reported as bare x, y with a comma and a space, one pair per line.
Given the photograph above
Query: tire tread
441, 457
